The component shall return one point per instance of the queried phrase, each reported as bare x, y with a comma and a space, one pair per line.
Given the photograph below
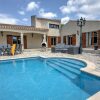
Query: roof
55, 20
72, 28
22, 27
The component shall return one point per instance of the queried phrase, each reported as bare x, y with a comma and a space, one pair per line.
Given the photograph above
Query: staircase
66, 67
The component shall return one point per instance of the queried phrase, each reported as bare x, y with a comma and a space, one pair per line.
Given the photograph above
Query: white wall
3, 39
41, 24
53, 32
72, 28
32, 42
45, 24
35, 41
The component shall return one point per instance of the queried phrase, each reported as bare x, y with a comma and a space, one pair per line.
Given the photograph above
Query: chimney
33, 20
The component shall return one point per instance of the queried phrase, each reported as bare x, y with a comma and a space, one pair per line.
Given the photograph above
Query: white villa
31, 36
50, 32
70, 33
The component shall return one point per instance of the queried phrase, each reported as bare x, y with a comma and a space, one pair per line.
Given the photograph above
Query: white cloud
69, 9
65, 20
85, 8
44, 14
21, 12
7, 19
65, 9
25, 19
32, 6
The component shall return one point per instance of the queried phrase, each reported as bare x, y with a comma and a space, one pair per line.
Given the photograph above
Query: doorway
25, 42
12, 39
53, 41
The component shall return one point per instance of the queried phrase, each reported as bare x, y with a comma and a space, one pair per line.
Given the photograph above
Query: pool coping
96, 96
90, 67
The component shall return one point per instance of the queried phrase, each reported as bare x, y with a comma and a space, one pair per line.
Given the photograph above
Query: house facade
70, 34
53, 26
31, 37
50, 32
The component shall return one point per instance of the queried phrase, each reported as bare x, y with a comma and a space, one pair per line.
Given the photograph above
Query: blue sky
20, 11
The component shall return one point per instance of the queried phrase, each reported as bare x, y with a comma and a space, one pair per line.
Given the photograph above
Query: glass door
53, 40
91, 39
16, 40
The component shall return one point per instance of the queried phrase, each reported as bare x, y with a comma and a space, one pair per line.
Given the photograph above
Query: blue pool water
46, 79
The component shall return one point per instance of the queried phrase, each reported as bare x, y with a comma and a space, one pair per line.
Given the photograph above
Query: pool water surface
45, 79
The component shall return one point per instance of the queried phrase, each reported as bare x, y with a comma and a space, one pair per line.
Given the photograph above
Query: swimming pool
46, 79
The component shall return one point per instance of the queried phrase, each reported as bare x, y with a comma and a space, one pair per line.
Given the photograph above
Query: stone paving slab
95, 96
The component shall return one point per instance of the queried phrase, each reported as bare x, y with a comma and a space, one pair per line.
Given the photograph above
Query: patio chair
18, 49
0, 52
8, 49
13, 48
5, 49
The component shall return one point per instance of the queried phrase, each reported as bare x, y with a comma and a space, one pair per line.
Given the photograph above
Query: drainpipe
22, 44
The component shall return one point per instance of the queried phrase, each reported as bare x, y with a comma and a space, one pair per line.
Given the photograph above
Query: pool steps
77, 67
70, 69
66, 67
63, 71
75, 63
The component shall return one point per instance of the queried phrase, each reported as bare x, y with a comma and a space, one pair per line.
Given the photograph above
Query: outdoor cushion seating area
65, 49
73, 50
61, 48
7, 49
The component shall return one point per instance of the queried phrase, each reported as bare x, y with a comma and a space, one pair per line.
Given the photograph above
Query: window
53, 40
16, 40
69, 40
19, 40
54, 26
95, 37
91, 39
64, 39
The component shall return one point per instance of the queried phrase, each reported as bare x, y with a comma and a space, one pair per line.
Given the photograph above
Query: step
78, 63
72, 70
68, 64
63, 71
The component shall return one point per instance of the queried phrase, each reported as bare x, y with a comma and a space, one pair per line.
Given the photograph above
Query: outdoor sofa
65, 49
